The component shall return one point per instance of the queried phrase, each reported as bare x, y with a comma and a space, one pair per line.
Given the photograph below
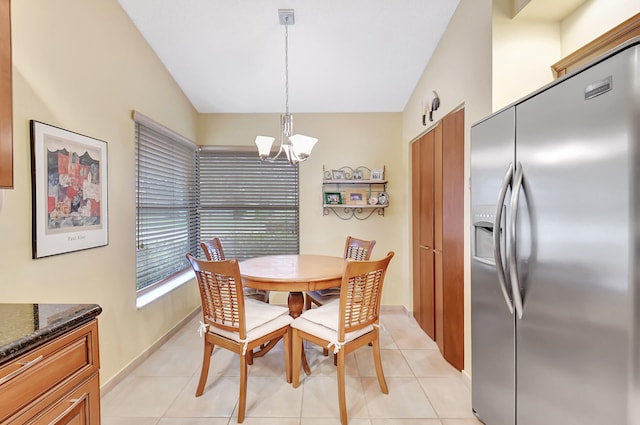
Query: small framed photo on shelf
333, 198
356, 197
377, 174
338, 175
357, 174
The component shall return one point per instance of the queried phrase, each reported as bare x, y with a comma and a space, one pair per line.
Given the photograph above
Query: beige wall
460, 71
84, 67
592, 20
372, 140
525, 48
523, 51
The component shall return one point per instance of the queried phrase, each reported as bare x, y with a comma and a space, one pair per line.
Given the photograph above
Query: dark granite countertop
26, 326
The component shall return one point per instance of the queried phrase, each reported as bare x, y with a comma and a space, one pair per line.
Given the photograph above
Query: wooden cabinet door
438, 284
415, 226
6, 105
80, 407
422, 199
438, 235
452, 240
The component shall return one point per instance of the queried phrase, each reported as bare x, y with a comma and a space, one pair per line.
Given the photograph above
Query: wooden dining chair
234, 322
214, 252
346, 324
354, 248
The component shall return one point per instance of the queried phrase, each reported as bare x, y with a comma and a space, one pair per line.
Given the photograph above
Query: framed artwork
377, 174
356, 197
332, 198
69, 187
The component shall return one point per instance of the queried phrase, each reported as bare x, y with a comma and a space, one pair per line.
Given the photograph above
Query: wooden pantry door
438, 235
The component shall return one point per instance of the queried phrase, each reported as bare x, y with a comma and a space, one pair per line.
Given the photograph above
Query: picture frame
356, 197
338, 175
377, 174
333, 198
69, 189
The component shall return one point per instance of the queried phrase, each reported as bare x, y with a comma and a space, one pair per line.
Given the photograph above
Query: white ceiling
344, 56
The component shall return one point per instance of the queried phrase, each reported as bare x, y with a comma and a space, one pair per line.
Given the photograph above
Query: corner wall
348, 139
84, 67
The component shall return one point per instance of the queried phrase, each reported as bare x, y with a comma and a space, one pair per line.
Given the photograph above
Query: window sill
168, 286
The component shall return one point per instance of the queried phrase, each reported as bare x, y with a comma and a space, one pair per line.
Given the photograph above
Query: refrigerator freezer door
492, 324
573, 245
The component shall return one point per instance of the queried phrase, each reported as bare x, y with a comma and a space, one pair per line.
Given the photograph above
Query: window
166, 214
252, 206
185, 195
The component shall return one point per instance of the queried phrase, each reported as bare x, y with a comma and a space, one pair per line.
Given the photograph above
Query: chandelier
296, 147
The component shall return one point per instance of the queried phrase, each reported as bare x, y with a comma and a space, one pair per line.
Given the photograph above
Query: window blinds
252, 206
166, 213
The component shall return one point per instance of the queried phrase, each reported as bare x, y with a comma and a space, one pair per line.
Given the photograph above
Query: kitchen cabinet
437, 160
55, 382
6, 104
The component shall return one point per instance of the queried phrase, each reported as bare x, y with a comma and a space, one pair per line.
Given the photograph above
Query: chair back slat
213, 249
358, 249
221, 293
361, 294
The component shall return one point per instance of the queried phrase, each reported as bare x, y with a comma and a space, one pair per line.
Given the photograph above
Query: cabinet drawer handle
437, 251
22, 368
74, 403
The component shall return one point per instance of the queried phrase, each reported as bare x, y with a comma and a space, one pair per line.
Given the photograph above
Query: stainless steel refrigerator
555, 251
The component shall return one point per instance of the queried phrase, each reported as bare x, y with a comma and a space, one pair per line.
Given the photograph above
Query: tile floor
423, 388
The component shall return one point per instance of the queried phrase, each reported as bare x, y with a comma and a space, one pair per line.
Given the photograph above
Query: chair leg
342, 402
307, 302
287, 354
206, 359
378, 363
296, 359
242, 405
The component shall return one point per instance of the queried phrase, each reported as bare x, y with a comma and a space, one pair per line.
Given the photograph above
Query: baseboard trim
466, 378
126, 371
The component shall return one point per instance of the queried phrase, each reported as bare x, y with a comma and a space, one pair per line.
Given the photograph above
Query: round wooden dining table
294, 274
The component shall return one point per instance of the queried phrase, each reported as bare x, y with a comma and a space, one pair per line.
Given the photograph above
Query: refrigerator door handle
497, 248
513, 263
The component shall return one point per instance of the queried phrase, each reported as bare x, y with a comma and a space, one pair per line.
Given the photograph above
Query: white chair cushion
330, 292
325, 315
255, 333
323, 323
257, 313
261, 319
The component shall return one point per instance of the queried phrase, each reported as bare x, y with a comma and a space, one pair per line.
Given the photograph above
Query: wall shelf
353, 193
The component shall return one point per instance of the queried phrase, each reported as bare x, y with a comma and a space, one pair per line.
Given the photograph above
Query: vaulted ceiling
228, 56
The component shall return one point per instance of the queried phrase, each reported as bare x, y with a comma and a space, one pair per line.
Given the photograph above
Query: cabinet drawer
63, 362
79, 406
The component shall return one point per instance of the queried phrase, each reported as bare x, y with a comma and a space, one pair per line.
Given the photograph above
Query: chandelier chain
297, 147
286, 64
